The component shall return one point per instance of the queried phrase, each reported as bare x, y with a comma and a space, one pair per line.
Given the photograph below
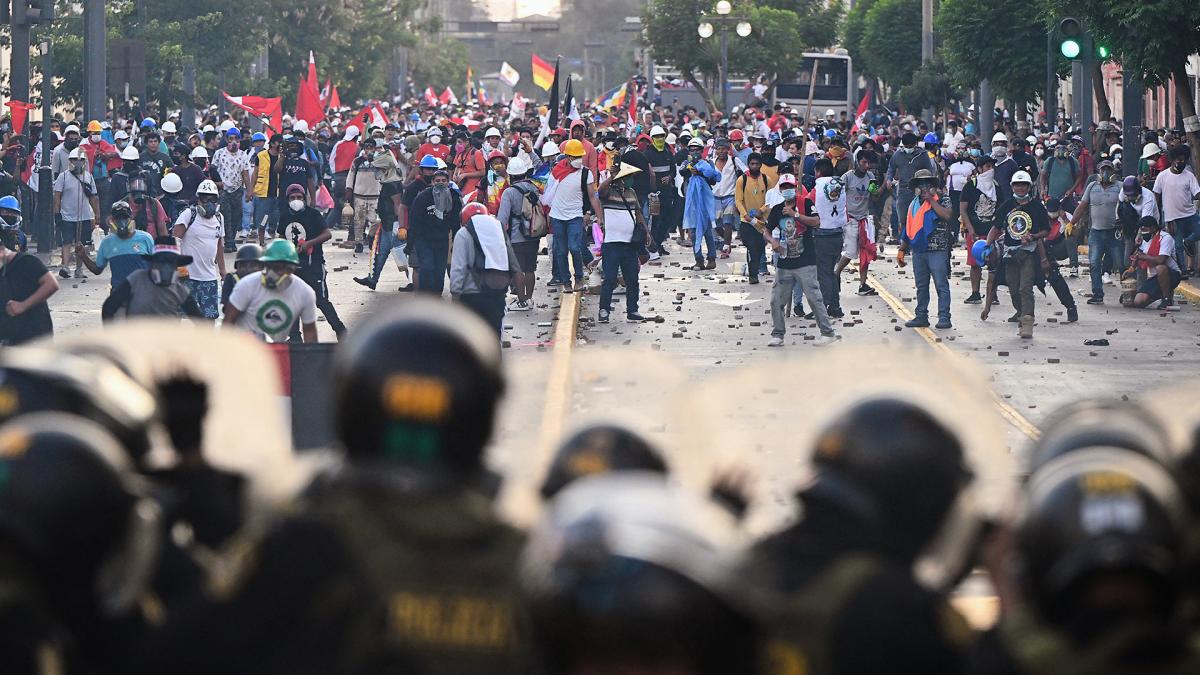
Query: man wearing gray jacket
482, 265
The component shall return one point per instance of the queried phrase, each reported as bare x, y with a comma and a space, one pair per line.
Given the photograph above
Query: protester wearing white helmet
520, 213
201, 234
1023, 223
492, 140
168, 127
75, 208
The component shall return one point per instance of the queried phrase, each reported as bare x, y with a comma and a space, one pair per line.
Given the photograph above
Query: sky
502, 10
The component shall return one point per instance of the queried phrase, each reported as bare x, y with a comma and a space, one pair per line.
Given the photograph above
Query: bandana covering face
442, 200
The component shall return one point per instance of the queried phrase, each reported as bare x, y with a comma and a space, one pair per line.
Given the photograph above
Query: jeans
935, 264
489, 305
829, 252
786, 281
901, 200
1101, 242
265, 208
231, 212
568, 238
755, 244
619, 257
1186, 231
1019, 272
710, 240
383, 251
431, 260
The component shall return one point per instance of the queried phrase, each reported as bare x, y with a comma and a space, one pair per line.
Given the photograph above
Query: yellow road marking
1008, 412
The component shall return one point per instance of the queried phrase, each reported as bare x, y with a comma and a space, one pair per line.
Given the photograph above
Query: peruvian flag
516, 109
860, 116
308, 99
430, 97
372, 115
448, 97
335, 102
269, 110
19, 111
633, 106
325, 94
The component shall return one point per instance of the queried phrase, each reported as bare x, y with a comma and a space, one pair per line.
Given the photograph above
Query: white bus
834, 87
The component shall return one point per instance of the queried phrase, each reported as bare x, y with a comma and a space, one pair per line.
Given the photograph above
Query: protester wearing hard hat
1022, 223
76, 204
522, 217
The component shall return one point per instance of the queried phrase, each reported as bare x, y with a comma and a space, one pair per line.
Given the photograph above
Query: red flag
269, 108
430, 97
633, 106
308, 102
860, 116
335, 102
312, 69
372, 115
448, 97
325, 94
19, 111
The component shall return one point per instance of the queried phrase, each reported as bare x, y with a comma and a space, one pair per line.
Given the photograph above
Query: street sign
126, 66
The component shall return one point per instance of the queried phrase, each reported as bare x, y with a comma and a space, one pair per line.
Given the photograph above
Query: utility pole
45, 179
1050, 99
987, 109
927, 47
18, 72
95, 50
187, 114
1085, 94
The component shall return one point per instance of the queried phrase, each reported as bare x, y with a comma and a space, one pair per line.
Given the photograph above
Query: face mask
658, 143
14, 223
207, 209
201, 162
439, 190
1178, 166
139, 198
787, 194
975, 152
95, 138
577, 162
435, 140
909, 151
1039, 152
76, 167
163, 273
999, 152
121, 144
123, 226
273, 279
1023, 198
460, 146
1106, 176
71, 145
296, 205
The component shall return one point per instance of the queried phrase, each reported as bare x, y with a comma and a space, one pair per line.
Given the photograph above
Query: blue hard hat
931, 138
429, 162
414, 117
10, 202
980, 252
830, 133
149, 123
258, 136
233, 131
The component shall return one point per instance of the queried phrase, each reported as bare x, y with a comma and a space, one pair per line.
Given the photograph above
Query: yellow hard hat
573, 148
93, 127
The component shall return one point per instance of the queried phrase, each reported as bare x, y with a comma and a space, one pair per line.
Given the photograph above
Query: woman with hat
155, 290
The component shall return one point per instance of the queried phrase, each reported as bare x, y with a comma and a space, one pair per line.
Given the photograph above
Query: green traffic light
1102, 51
1070, 48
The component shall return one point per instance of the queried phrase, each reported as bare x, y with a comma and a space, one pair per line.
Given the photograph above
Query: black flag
554, 97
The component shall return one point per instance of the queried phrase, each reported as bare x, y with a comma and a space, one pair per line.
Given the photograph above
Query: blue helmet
258, 136
429, 162
830, 133
414, 117
980, 251
10, 202
931, 138
233, 131
149, 123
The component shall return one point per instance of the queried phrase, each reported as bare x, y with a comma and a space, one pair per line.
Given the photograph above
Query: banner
448, 97
19, 110
372, 115
430, 97
509, 75
544, 75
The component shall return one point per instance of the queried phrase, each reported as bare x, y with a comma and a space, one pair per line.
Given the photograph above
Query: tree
1151, 40
930, 87
853, 29
670, 32
891, 41
442, 63
782, 31
988, 40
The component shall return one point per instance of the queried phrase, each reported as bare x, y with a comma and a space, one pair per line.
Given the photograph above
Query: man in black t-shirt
1023, 224
305, 228
293, 170
977, 214
25, 285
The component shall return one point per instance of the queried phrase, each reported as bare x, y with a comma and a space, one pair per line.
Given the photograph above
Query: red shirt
470, 161
441, 151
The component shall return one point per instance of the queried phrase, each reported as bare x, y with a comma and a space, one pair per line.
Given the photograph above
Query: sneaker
79, 273
64, 272
810, 316
663, 250
1096, 300
698, 267
566, 288
655, 255
603, 318
711, 264
1014, 318
634, 317
776, 341
824, 340
1108, 280
864, 289
917, 323
358, 248
518, 306
837, 313
753, 280
1072, 314
1026, 328
1074, 272
365, 281
973, 299
944, 325
554, 282
798, 310
1167, 304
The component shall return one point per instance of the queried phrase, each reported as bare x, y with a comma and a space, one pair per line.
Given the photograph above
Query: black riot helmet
418, 385
894, 468
627, 570
597, 449
89, 385
1101, 422
72, 509
1095, 520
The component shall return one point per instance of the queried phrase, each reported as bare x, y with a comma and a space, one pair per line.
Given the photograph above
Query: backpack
492, 280
1071, 162
534, 224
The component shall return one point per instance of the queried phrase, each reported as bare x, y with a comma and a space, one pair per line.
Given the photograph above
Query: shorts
74, 232
526, 252
726, 211
970, 240
850, 238
207, 295
1150, 285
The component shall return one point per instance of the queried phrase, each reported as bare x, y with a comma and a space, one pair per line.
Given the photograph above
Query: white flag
509, 75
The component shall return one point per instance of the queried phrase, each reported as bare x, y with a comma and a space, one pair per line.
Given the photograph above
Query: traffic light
33, 11
1103, 52
1070, 31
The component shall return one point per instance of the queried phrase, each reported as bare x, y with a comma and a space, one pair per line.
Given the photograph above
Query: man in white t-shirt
1156, 256
1177, 192
830, 202
201, 234
269, 302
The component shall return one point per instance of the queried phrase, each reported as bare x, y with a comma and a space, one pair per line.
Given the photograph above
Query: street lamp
708, 27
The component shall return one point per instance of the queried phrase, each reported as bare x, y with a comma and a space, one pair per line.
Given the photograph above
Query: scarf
442, 200
1153, 249
986, 182
389, 171
562, 170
